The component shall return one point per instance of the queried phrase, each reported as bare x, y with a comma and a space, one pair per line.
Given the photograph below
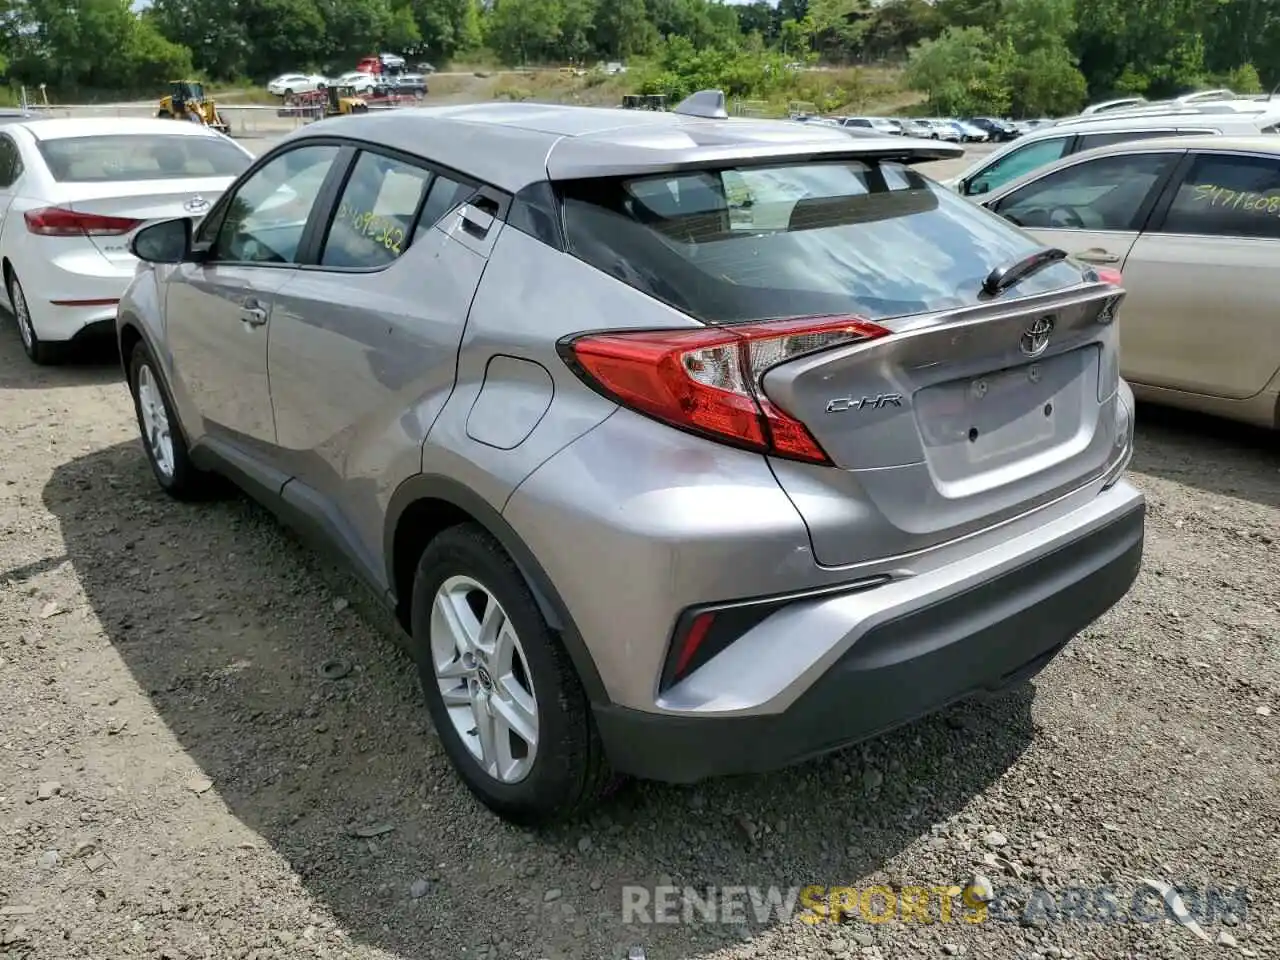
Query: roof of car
1232, 111
512, 145
52, 128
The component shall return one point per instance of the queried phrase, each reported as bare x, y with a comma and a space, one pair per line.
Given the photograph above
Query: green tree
1044, 74
1244, 79
1046, 82
897, 25
282, 35
577, 29
352, 29
836, 27
962, 72
759, 17
1152, 47
446, 26
624, 29
1244, 32
98, 44
210, 29
523, 31
793, 38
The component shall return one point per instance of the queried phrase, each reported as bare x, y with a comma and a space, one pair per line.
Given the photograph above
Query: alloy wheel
22, 314
484, 679
155, 421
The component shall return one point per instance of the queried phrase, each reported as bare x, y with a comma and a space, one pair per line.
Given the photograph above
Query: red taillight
57, 222
707, 380
1109, 275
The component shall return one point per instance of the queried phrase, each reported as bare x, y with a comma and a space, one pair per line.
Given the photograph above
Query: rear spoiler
647, 150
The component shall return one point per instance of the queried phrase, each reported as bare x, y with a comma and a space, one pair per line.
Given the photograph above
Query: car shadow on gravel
224, 624
84, 363
1211, 454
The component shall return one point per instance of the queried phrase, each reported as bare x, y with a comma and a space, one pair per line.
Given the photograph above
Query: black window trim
1160, 213
1136, 135
204, 246
1155, 195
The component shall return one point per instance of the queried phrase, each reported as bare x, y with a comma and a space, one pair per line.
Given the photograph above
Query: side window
373, 224
265, 220
1102, 194
1226, 196
10, 163
445, 195
1017, 163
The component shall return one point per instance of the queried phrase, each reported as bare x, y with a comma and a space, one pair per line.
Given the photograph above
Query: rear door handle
253, 313
1097, 256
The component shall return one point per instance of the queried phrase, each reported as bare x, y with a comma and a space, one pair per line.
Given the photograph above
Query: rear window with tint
753, 243
141, 157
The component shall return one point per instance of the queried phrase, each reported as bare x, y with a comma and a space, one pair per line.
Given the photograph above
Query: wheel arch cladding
130, 336
424, 506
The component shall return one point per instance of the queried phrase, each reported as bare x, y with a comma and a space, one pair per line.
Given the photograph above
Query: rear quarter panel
530, 297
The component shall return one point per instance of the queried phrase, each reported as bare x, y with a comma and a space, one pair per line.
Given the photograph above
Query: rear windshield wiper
1003, 277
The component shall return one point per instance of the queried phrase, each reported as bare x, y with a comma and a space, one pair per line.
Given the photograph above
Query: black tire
164, 115
569, 772
288, 92
185, 481
37, 350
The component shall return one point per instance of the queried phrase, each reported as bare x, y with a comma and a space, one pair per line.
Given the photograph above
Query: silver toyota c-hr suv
681, 446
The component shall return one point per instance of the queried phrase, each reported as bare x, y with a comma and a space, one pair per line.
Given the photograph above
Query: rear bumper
911, 661
56, 323
70, 287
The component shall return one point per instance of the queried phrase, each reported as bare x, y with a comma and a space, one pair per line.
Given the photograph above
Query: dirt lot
178, 781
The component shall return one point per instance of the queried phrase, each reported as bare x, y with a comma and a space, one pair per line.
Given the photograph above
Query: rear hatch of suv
909, 398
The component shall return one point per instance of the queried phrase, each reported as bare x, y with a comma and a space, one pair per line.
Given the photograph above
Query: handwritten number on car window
369, 225
1216, 196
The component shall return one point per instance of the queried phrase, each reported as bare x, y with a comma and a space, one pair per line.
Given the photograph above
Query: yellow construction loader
343, 100
187, 101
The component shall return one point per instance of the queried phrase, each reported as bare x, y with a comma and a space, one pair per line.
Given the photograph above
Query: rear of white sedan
71, 190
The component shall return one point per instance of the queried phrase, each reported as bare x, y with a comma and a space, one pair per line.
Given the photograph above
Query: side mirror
168, 241
977, 187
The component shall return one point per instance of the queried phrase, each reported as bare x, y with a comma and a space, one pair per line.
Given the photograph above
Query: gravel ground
178, 781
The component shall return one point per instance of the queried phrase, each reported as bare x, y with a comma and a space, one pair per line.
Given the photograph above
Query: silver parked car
680, 446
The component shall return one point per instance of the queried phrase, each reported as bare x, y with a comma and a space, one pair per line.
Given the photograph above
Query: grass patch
245, 93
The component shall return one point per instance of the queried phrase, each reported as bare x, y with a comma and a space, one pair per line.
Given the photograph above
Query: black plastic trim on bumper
95, 330
988, 637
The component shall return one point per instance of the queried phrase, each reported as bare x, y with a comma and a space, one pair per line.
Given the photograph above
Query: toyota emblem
1035, 339
196, 204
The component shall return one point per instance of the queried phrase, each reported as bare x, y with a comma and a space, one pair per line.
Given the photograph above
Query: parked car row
381, 85
951, 129
364, 83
